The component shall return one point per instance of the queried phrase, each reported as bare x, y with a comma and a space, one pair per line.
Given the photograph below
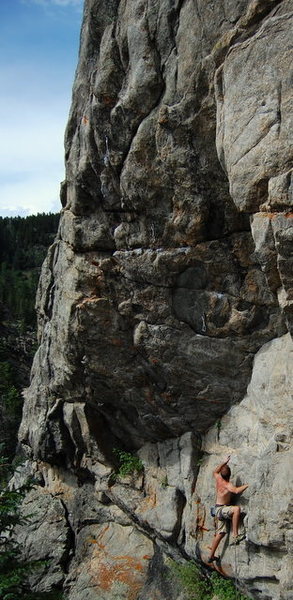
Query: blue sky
39, 41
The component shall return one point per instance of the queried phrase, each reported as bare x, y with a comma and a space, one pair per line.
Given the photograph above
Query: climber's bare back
224, 493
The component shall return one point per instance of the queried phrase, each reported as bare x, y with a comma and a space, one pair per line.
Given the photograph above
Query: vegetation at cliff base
197, 586
191, 579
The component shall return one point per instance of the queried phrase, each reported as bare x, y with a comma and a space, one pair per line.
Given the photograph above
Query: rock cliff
165, 303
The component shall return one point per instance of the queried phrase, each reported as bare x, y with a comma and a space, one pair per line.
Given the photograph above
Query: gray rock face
252, 119
258, 434
166, 300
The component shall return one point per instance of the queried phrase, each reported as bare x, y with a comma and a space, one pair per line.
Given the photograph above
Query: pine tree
14, 570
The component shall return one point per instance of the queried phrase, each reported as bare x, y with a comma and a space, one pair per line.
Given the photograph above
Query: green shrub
164, 482
199, 587
191, 579
128, 463
225, 588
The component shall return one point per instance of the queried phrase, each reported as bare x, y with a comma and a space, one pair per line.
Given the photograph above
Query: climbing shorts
222, 515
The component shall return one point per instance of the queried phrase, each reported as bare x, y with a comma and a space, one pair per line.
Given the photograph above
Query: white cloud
31, 155
15, 212
34, 108
32, 135
37, 192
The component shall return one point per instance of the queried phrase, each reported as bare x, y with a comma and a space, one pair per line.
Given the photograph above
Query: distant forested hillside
23, 246
24, 242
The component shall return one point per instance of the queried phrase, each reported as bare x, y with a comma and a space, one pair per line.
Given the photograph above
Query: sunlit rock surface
165, 303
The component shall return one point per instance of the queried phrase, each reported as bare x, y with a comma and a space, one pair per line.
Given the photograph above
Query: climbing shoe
236, 540
212, 559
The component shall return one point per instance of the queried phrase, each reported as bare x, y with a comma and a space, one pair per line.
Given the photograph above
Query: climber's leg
217, 539
235, 519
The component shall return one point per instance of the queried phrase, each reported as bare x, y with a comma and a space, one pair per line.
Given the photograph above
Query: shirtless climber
224, 510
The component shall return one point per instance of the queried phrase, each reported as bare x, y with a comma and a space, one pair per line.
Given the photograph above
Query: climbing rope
235, 569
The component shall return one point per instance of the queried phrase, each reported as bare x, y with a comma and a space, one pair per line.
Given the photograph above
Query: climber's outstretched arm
218, 468
236, 489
